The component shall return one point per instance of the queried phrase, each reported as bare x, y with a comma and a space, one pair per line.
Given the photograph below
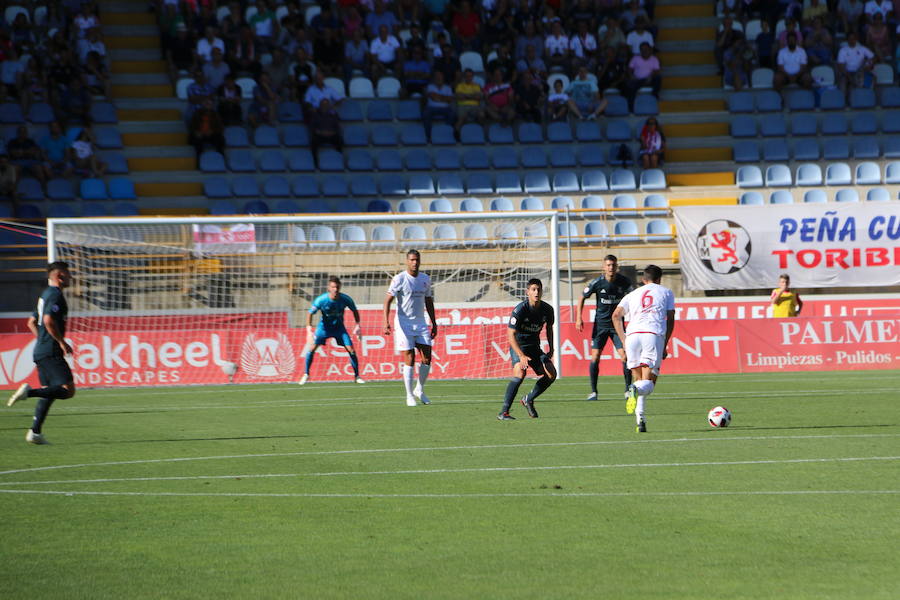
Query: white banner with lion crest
818, 245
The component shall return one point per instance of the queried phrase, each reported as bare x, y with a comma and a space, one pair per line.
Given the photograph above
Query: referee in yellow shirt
785, 302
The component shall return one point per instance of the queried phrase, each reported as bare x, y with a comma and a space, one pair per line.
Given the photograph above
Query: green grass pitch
341, 491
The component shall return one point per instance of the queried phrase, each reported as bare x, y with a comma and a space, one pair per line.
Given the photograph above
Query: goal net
205, 300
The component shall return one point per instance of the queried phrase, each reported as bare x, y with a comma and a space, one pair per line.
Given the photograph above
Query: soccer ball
719, 417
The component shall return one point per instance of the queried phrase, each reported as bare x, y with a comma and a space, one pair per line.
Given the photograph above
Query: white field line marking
450, 448
464, 470
460, 496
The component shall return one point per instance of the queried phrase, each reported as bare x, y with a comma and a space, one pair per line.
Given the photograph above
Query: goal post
205, 300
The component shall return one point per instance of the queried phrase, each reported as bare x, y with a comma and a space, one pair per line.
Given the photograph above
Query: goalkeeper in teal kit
331, 304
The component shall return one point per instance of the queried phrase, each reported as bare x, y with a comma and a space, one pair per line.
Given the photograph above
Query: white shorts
407, 335
644, 349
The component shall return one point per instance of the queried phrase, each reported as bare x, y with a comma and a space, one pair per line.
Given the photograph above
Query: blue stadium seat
475, 236
655, 205
743, 126
834, 124
276, 186
626, 231
216, 187
266, 136
475, 158
29, 212
749, 176
804, 124
414, 233
321, 237
533, 157
591, 155
450, 183
831, 99
773, 126
245, 186
379, 110
212, 162
255, 207
11, 112
594, 206
565, 181
392, 185
864, 123
413, 134
349, 111
562, 203
745, 151
330, 160
595, 232
658, 231
40, 112
617, 106
409, 110
442, 135
563, 157
291, 112
866, 147
295, 136
388, 160
530, 133
60, 189
305, 186
363, 186
809, 174
504, 159
272, 161
103, 112
499, 134
740, 102
447, 159
838, 174
815, 196
236, 137
751, 199
846, 195
646, 105
624, 205
890, 97
383, 236
505, 234
441, 205
559, 132
352, 237
775, 151
356, 136
508, 183
286, 206
892, 173
471, 205
778, 176
301, 161
335, 186
768, 101
567, 231
618, 131
878, 195
421, 185
409, 205
781, 197
537, 183
91, 189
479, 183
587, 131
622, 179
806, 149
384, 135
868, 173
836, 149
222, 207
121, 188
93, 209
862, 98
536, 234
472, 133
359, 159
501, 204
594, 181
240, 161
892, 147
801, 100
378, 206
418, 160
107, 138
115, 163
653, 179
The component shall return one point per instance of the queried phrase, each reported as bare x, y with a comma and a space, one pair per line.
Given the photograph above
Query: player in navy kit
48, 324
332, 305
524, 332
610, 288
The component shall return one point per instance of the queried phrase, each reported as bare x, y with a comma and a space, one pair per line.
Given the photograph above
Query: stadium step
702, 129
138, 66
167, 163
149, 114
678, 34
128, 79
155, 139
691, 106
682, 10
132, 42
167, 188
158, 90
692, 82
128, 18
698, 154
689, 58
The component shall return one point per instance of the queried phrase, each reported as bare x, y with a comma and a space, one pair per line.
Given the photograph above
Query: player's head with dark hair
610, 266
786, 277
652, 273
535, 281
611, 257
335, 279
413, 260
535, 290
412, 251
58, 274
57, 266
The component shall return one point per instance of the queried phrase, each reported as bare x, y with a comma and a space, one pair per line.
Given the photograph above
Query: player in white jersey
412, 290
650, 312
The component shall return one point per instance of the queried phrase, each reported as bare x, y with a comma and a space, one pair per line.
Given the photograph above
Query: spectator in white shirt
793, 65
384, 51
206, 44
92, 43
639, 36
853, 62
885, 7
318, 91
583, 46
556, 47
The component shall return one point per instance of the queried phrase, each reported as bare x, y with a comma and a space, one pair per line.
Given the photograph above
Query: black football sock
355, 362
512, 388
53, 391
594, 371
40, 413
539, 388
627, 373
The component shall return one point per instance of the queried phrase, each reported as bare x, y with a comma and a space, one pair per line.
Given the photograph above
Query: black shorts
603, 333
536, 358
53, 370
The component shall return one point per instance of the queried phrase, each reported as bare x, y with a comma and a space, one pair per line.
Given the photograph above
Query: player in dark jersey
48, 324
610, 288
525, 324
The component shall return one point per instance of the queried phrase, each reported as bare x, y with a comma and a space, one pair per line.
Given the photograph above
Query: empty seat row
805, 100
11, 113
33, 212
815, 196
810, 174
805, 124
762, 79
778, 150
117, 188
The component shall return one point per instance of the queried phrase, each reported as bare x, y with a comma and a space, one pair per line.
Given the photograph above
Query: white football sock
644, 387
408, 376
424, 370
639, 409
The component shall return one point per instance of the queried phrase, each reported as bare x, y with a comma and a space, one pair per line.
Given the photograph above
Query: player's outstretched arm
549, 329
429, 308
520, 367
387, 314
670, 327
32, 325
579, 324
51, 328
357, 331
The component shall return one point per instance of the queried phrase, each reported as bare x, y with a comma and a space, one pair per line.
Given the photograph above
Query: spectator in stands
435, 10
529, 38
303, 73
356, 55
497, 26
329, 53
439, 101
468, 100
25, 154
216, 69
280, 72
206, 44
168, 22
643, 71
532, 62
529, 98
318, 91
92, 43
229, 108
503, 61
582, 10
612, 36
638, 37
793, 66
265, 100
726, 36
201, 18
55, 147
198, 92
612, 71
179, 52
408, 11
381, 16
84, 156
653, 144
11, 70
384, 52
84, 21
326, 128
583, 46
9, 178
499, 100
790, 28
528, 11
556, 47
230, 26
33, 84
874, 7
206, 128
96, 75
558, 102
416, 73
850, 13
21, 34
878, 38
585, 100
466, 28
75, 104
448, 64
814, 9
765, 46
854, 61
265, 25
414, 40
245, 56
351, 21
739, 61
631, 15
819, 44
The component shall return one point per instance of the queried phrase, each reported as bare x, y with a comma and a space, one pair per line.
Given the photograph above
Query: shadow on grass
208, 439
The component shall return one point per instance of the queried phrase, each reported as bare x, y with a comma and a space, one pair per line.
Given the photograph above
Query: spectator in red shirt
500, 100
466, 27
